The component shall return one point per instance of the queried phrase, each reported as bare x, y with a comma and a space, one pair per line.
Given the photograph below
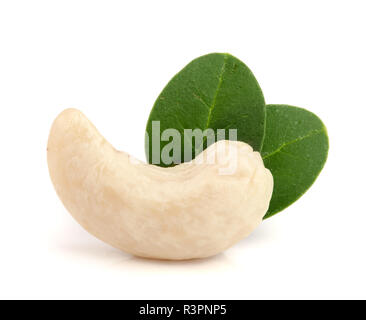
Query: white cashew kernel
184, 212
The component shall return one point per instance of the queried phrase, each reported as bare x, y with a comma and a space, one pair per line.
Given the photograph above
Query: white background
111, 59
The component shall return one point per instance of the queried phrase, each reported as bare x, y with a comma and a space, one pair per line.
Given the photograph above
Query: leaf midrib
222, 71
213, 104
310, 134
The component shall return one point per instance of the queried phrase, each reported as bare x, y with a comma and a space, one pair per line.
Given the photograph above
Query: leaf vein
311, 133
201, 100
217, 91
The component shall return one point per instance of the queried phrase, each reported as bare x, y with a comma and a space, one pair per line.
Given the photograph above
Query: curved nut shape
184, 212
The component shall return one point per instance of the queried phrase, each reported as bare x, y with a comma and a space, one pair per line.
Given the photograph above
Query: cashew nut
184, 212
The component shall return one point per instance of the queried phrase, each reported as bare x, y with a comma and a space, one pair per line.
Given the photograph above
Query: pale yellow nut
184, 212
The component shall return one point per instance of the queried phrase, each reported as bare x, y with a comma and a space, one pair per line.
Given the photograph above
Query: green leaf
295, 150
215, 91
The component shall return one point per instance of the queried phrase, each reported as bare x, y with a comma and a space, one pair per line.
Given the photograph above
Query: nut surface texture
183, 212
